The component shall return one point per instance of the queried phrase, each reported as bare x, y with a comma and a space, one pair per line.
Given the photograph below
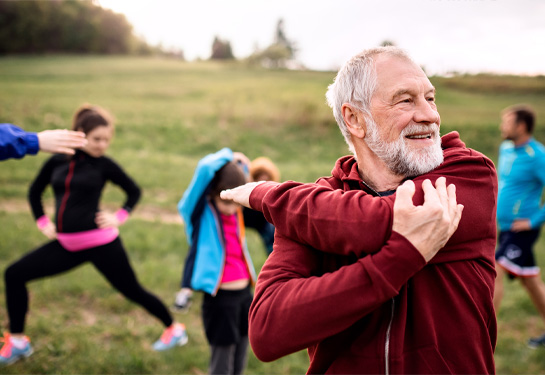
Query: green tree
221, 50
279, 54
65, 26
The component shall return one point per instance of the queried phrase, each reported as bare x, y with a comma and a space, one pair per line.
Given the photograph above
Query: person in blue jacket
218, 262
16, 143
520, 213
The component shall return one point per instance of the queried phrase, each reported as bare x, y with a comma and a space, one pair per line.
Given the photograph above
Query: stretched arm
353, 222
203, 175
61, 141
16, 143
292, 296
292, 306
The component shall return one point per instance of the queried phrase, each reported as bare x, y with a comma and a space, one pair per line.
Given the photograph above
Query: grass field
169, 115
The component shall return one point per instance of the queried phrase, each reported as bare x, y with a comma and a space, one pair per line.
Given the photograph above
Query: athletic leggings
52, 259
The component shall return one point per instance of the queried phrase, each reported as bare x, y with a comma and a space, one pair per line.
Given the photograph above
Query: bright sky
501, 36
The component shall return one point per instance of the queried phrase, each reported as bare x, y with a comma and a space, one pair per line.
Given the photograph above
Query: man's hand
521, 225
105, 219
427, 227
241, 194
61, 141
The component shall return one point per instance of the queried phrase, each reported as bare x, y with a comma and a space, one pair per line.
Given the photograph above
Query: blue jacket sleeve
537, 219
16, 143
204, 173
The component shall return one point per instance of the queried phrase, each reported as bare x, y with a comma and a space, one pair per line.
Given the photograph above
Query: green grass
169, 115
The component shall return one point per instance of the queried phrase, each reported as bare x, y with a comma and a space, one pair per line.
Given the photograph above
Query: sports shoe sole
182, 310
183, 341
15, 359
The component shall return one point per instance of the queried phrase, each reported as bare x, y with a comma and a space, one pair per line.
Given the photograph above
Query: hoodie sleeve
354, 222
325, 218
294, 308
16, 143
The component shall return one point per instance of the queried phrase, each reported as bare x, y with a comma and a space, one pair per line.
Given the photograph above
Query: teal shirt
521, 174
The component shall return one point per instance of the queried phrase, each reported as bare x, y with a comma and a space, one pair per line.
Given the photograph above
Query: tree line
59, 26
65, 26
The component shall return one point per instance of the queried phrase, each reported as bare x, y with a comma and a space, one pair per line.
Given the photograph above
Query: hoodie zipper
387, 342
389, 328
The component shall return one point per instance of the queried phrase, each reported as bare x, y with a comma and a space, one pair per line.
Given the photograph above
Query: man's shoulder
455, 149
538, 147
461, 160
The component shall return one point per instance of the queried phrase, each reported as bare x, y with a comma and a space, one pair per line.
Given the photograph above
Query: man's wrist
258, 194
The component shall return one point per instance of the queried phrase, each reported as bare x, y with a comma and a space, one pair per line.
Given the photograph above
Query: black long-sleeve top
77, 184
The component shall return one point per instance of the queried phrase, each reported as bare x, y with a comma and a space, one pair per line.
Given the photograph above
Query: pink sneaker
11, 353
175, 335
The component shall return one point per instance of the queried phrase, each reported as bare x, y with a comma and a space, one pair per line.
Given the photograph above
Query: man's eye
432, 99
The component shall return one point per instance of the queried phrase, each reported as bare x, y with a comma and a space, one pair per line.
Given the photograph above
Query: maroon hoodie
360, 297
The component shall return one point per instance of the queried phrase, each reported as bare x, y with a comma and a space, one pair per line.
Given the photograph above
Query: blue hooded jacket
204, 264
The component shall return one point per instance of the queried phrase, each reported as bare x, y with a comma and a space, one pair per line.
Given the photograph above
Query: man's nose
425, 112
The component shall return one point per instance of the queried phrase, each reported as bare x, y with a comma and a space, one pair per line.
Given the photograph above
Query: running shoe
537, 342
11, 353
183, 300
175, 335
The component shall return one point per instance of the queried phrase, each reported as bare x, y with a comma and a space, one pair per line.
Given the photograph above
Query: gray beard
399, 158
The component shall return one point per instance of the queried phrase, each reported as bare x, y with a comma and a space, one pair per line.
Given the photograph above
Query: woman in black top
81, 233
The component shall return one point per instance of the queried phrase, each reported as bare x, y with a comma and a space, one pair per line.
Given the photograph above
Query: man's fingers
227, 195
452, 202
66, 150
431, 196
456, 218
404, 195
240, 194
441, 188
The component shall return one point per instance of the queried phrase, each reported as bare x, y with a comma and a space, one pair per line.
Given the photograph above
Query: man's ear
521, 127
354, 120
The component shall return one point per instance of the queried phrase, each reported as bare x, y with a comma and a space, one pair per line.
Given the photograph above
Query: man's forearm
290, 303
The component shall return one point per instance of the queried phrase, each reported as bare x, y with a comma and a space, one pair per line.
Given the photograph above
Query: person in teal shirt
521, 174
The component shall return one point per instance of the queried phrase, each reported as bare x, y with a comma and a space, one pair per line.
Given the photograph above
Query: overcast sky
502, 36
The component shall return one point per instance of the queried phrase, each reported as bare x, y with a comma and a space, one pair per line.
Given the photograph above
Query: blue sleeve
203, 175
16, 143
538, 218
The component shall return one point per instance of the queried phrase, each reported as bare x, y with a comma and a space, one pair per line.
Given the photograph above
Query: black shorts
225, 316
515, 253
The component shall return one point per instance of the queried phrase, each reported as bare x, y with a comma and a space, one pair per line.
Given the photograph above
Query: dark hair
88, 117
525, 114
228, 177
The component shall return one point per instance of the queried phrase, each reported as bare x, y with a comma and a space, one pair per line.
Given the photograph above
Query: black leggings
52, 259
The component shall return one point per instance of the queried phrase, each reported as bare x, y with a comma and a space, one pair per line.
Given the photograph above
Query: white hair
355, 84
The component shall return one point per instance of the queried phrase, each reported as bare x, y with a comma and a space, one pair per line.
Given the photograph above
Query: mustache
419, 129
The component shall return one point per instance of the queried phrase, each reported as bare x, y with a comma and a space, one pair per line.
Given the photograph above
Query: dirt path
143, 212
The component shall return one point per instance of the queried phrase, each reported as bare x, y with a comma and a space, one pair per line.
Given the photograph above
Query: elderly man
355, 276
